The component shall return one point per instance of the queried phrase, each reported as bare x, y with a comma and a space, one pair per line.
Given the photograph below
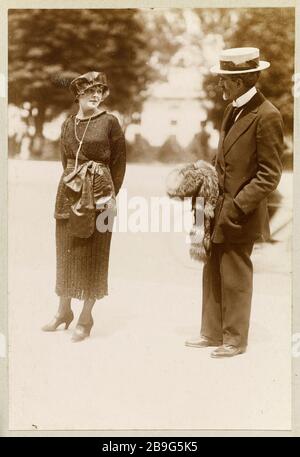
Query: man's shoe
227, 350
201, 342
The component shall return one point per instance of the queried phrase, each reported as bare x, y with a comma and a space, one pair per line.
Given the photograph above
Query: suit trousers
227, 294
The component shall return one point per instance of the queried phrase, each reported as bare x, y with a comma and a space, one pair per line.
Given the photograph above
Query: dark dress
82, 263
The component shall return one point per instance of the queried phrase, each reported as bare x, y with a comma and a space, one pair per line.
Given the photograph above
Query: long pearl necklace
80, 141
75, 125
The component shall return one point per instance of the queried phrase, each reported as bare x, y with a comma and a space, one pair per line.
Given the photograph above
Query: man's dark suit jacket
249, 167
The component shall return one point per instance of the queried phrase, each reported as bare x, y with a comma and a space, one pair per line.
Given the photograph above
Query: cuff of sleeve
240, 208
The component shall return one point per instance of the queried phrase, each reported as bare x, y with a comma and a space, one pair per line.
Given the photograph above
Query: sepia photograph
150, 217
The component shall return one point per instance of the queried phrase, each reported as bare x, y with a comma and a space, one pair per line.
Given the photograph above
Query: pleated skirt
81, 263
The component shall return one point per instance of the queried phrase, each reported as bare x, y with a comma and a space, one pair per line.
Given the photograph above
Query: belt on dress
71, 162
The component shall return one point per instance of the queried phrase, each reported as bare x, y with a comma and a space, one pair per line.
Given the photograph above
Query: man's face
232, 87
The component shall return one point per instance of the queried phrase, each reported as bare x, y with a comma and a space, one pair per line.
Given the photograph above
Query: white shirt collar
243, 99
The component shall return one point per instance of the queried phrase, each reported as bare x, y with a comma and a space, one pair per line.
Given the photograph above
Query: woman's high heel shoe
82, 331
58, 320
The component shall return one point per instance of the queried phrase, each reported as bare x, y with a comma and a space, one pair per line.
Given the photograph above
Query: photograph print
150, 174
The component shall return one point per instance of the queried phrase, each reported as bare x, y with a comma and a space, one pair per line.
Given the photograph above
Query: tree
48, 48
272, 30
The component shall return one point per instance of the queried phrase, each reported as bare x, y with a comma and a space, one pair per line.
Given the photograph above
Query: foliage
48, 48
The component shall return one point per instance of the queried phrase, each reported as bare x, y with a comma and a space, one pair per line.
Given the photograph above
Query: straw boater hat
83, 82
239, 60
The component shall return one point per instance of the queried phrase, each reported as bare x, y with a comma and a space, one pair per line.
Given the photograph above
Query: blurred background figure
200, 146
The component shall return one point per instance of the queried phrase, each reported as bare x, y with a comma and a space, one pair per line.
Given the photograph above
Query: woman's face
91, 98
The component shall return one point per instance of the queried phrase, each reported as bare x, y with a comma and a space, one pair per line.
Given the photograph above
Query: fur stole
194, 180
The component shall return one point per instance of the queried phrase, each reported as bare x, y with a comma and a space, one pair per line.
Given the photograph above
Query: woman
94, 159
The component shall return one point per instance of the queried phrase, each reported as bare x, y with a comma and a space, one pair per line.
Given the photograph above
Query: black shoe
201, 342
227, 350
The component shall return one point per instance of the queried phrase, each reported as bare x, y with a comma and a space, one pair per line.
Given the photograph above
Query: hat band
231, 66
84, 87
81, 90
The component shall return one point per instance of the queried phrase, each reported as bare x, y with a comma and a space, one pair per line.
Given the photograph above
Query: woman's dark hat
83, 82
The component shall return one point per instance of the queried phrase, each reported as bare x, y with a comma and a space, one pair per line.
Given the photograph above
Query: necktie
232, 117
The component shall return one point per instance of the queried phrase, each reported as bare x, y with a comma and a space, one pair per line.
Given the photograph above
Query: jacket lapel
220, 156
246, 118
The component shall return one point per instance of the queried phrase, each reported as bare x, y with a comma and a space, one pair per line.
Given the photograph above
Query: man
199, 146
248, 164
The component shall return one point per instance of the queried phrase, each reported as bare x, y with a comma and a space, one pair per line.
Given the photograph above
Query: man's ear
240, 83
